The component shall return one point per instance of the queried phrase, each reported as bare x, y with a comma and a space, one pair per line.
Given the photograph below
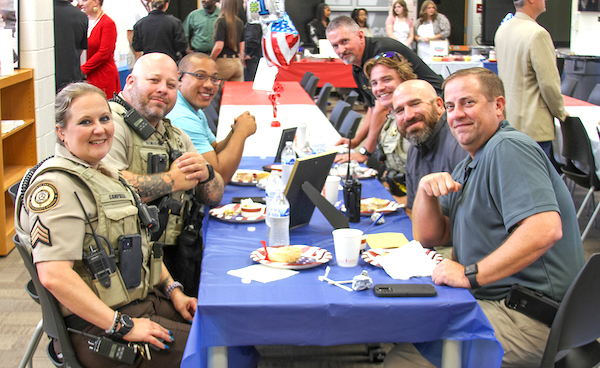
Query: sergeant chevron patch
40, 234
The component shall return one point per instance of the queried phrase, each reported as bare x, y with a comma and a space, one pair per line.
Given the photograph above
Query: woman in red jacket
100, 66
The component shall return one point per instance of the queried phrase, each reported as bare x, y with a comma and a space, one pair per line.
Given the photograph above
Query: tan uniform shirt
121, 153
57, 235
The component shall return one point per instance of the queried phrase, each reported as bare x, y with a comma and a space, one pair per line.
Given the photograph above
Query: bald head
418, 109
155, 61
416, 86
151, 88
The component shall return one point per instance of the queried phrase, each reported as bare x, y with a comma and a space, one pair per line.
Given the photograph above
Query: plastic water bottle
288, 159
279, 217
274, 185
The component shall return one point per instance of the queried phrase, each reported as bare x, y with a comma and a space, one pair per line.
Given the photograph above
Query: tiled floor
19, 315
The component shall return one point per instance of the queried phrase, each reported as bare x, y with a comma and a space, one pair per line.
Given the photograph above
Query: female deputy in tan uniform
130, 295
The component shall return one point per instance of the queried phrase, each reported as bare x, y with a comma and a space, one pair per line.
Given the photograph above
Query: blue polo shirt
509, 179
192, 122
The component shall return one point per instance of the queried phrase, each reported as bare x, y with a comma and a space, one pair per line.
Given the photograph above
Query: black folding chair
305, 79
324, 97
572, 341
595, 95
53, 321
568, 85
350, 124
577, 151
339, 112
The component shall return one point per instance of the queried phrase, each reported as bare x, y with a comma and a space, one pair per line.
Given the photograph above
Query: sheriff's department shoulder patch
40, 234
44, 196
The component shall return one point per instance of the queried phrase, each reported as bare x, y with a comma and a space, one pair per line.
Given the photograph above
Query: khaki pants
230, 69
522, 338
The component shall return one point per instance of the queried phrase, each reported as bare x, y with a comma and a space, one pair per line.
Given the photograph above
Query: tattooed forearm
163, 285
211, 193
153, 186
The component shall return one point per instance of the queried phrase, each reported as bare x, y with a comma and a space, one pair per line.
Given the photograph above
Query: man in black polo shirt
351, 45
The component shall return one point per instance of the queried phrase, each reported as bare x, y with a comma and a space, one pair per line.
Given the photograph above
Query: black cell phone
404, 290
130, 259
532, 303
254, 199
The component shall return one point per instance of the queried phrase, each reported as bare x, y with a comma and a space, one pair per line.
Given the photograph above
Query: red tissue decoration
274, 95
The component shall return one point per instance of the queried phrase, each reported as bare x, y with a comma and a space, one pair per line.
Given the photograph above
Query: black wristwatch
211, 173
363, 151
471, 273
126, 326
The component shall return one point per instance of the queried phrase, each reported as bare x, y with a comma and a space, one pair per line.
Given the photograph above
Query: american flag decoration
280, 42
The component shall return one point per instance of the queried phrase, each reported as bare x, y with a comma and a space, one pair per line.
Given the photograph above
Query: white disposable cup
331, 188
301, 136
346, 243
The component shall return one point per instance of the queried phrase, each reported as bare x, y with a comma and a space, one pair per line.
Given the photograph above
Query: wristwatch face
126, 321
471, 269
363, 151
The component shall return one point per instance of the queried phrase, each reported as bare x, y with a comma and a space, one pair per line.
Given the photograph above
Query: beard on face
142, 104
348, 58
419, 137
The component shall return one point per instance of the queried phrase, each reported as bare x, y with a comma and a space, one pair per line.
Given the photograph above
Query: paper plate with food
246, 211
248, 177
379, 205
292, 257
372, 256
357, 171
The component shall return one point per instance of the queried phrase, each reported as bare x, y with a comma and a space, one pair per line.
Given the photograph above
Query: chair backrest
311, 86
577, 147
568, 85
324, 97
595, 95
350, 124
351, 98
339, 112
305, 79
577, 321
54, 323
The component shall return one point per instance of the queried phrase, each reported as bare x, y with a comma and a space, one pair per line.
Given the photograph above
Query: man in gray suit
527, 67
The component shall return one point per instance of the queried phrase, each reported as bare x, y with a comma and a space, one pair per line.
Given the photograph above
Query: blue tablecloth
300, 310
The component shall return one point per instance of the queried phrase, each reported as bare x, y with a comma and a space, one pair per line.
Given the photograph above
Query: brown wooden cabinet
19, 151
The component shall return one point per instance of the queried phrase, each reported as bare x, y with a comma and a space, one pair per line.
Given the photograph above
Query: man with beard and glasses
351, 45
164, 167
421, 119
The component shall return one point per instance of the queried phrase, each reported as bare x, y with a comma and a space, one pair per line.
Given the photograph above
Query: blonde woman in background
431, 25
398, 25
229, 43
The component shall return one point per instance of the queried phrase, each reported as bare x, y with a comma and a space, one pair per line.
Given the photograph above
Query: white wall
36, 34
585, 30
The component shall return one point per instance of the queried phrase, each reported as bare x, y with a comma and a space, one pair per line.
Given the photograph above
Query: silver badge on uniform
43, 197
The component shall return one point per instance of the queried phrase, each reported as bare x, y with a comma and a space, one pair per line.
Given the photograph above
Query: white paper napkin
262, 273
407, 261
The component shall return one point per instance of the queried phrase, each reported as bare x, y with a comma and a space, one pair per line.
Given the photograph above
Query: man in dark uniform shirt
351, 45
70, 37
160, 32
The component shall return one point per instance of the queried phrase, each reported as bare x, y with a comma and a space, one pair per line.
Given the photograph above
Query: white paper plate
311, 257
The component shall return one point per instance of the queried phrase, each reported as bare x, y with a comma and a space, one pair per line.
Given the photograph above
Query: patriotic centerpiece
280, 39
